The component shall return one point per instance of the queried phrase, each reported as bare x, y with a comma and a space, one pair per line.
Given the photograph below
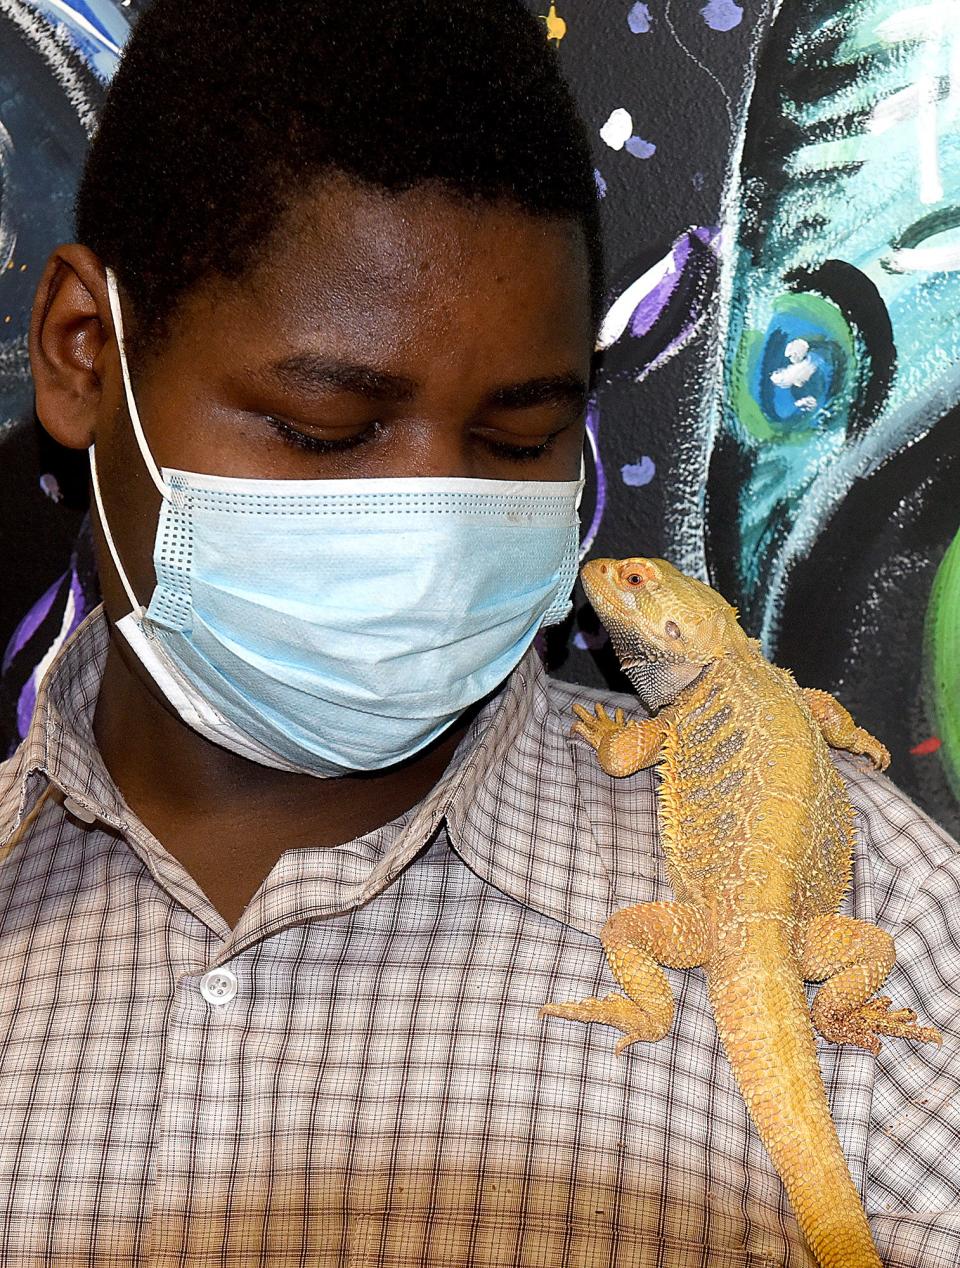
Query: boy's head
224, 114
353, 238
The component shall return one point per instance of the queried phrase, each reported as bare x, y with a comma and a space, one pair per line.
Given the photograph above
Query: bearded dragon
757, 832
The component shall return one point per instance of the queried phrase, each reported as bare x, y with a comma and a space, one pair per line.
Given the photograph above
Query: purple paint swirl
593, 443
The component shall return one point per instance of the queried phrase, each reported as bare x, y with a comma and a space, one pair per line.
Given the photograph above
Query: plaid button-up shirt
368, 1081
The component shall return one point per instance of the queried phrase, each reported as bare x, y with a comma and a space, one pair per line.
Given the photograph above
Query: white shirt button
219, 986
79, 812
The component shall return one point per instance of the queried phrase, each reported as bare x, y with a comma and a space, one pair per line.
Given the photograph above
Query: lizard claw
595, 727
863, 1026
638, 1024
868, 746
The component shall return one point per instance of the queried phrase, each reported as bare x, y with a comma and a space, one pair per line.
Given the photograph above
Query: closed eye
321, 444
520, 453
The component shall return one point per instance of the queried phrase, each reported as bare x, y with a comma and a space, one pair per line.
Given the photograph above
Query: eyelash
316, 444
522, 453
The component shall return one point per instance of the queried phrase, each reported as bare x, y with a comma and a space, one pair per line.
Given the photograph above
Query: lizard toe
863, 1026
636, 1023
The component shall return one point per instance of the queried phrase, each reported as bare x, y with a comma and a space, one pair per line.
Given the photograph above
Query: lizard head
665, 627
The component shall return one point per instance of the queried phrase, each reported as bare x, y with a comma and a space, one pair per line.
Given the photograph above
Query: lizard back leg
855, 957
634, 940
839, 729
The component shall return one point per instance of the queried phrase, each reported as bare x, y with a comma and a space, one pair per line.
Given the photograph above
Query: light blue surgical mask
328, 626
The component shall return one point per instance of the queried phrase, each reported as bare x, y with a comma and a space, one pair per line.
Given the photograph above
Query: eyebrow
557, 389
308, 373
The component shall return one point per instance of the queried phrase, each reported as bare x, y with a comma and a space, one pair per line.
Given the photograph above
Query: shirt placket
199, 1114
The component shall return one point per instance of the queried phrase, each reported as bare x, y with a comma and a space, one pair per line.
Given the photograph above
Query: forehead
419, 271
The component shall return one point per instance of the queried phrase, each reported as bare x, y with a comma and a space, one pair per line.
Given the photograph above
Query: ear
70, 328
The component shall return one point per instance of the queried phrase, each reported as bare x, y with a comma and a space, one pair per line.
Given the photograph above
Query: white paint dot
796, 350
618, 129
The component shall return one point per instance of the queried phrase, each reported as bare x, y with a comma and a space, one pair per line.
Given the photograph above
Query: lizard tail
764, 1025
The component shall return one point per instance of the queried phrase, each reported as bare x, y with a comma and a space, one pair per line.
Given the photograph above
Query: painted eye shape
672, 629
798, 375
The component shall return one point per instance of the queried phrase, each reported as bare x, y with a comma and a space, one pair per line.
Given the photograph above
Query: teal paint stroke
856, 162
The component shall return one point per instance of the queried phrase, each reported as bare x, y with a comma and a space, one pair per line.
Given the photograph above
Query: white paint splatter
896, 108
8, 231
622, 308
618, 129
801, 367
928, 142
945, 259
919, 22
53, 44
935, 27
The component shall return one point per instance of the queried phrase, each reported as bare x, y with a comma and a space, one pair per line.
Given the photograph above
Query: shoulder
566, 694
621, 813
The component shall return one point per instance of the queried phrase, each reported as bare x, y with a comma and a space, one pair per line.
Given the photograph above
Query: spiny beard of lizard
658, 682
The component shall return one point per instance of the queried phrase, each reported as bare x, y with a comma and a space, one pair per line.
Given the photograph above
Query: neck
198, 799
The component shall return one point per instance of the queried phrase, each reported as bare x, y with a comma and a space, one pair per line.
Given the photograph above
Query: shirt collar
59, 747
510, 798
521, 814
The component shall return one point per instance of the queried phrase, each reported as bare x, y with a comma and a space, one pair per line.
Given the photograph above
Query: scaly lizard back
757, 831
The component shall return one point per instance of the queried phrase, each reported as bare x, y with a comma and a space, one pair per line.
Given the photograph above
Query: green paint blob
820, 400
943, 660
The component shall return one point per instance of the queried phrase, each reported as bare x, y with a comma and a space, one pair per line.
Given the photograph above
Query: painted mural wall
777, 405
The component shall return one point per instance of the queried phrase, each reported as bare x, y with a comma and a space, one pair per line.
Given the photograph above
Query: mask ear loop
117, 315
136, 607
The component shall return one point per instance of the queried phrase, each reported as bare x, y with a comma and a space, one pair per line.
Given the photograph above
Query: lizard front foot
595, 728
622, 748
638, 1024
863, 1026
870, 747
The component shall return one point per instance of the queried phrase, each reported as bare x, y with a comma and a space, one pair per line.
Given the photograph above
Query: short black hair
222, 110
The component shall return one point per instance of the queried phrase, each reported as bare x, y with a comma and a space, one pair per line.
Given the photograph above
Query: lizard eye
673, 629
635, 573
